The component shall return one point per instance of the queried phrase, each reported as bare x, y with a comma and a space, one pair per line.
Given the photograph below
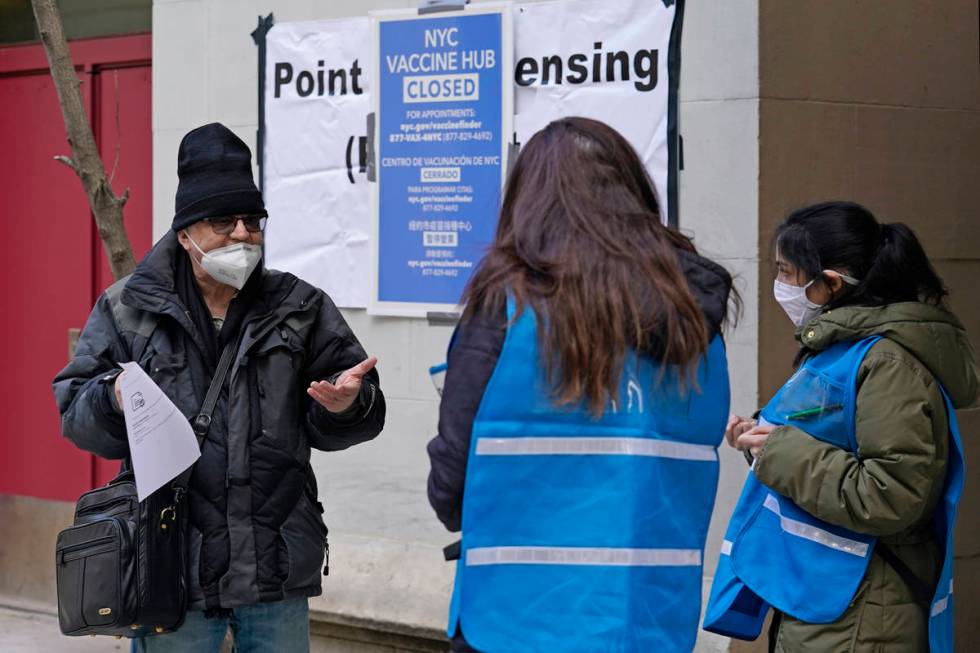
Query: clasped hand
745, 433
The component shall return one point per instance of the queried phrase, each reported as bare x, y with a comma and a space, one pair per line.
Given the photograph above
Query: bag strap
774, 625
202, 423
919, 589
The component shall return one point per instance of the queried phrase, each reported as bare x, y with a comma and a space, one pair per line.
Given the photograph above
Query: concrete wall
385, 540
719, 201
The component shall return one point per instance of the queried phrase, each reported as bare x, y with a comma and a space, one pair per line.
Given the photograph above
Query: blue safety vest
584, 534
776, 554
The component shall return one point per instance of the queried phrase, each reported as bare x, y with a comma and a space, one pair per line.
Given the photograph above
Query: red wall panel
54, 262
46, 288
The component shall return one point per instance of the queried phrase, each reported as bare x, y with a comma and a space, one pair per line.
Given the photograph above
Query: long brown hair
580, 240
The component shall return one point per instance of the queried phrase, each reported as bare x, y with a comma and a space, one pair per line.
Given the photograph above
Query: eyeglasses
224, 225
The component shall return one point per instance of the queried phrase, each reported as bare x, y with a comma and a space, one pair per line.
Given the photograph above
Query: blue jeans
279, 627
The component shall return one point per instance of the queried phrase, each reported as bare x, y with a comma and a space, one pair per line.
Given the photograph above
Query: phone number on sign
468, 136
439, 272
443, 137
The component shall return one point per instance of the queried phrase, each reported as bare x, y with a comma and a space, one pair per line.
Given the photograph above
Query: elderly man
299, 379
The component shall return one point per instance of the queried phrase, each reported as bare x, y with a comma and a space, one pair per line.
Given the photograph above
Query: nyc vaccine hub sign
319, 81
385, 135
443, 107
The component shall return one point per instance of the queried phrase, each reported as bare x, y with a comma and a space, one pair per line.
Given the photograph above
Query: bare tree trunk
106, 206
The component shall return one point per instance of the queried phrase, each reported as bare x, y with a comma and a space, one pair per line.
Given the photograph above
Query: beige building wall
878, 102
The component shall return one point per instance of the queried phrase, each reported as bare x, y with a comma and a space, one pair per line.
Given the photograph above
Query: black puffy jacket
256, 530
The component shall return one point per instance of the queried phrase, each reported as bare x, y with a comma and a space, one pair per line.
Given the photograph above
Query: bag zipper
108, 485
96, 507
86, 549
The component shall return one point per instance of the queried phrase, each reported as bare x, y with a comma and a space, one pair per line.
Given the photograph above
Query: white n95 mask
232, 264
797, 305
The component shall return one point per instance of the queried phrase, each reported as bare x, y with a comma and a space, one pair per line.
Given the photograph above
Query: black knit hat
215, 171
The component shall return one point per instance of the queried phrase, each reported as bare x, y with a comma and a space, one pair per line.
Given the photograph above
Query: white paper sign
604, 60
315, 155
600, 60
162, 443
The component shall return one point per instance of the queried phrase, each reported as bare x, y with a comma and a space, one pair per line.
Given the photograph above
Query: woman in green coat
843, 276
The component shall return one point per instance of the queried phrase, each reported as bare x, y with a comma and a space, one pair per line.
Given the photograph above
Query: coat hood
930, 333
710, 284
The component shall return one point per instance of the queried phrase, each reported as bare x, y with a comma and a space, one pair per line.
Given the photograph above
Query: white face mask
797, 305
794, 301
231, 265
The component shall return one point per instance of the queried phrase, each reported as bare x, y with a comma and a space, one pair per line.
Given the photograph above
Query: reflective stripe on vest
545, 555
942, 604
548, 446
815, 533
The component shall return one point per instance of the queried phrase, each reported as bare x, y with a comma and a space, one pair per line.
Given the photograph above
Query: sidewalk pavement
24, 631
33, 632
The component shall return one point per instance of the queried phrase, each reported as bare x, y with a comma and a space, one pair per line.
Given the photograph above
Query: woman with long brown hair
585, 396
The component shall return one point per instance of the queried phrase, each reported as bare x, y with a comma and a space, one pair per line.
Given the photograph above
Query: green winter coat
891, 488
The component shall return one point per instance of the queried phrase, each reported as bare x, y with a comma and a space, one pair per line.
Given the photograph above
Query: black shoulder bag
122, 567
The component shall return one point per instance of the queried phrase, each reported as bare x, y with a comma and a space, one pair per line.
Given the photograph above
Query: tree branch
85, 160
67, 161
115, 163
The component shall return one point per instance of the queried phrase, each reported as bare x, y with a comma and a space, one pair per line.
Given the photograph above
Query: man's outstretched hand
339, 396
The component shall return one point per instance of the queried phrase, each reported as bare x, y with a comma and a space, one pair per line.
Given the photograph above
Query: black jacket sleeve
334, 349
84, 389
472, 359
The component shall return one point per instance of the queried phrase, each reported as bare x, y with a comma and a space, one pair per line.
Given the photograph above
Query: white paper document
162, 443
